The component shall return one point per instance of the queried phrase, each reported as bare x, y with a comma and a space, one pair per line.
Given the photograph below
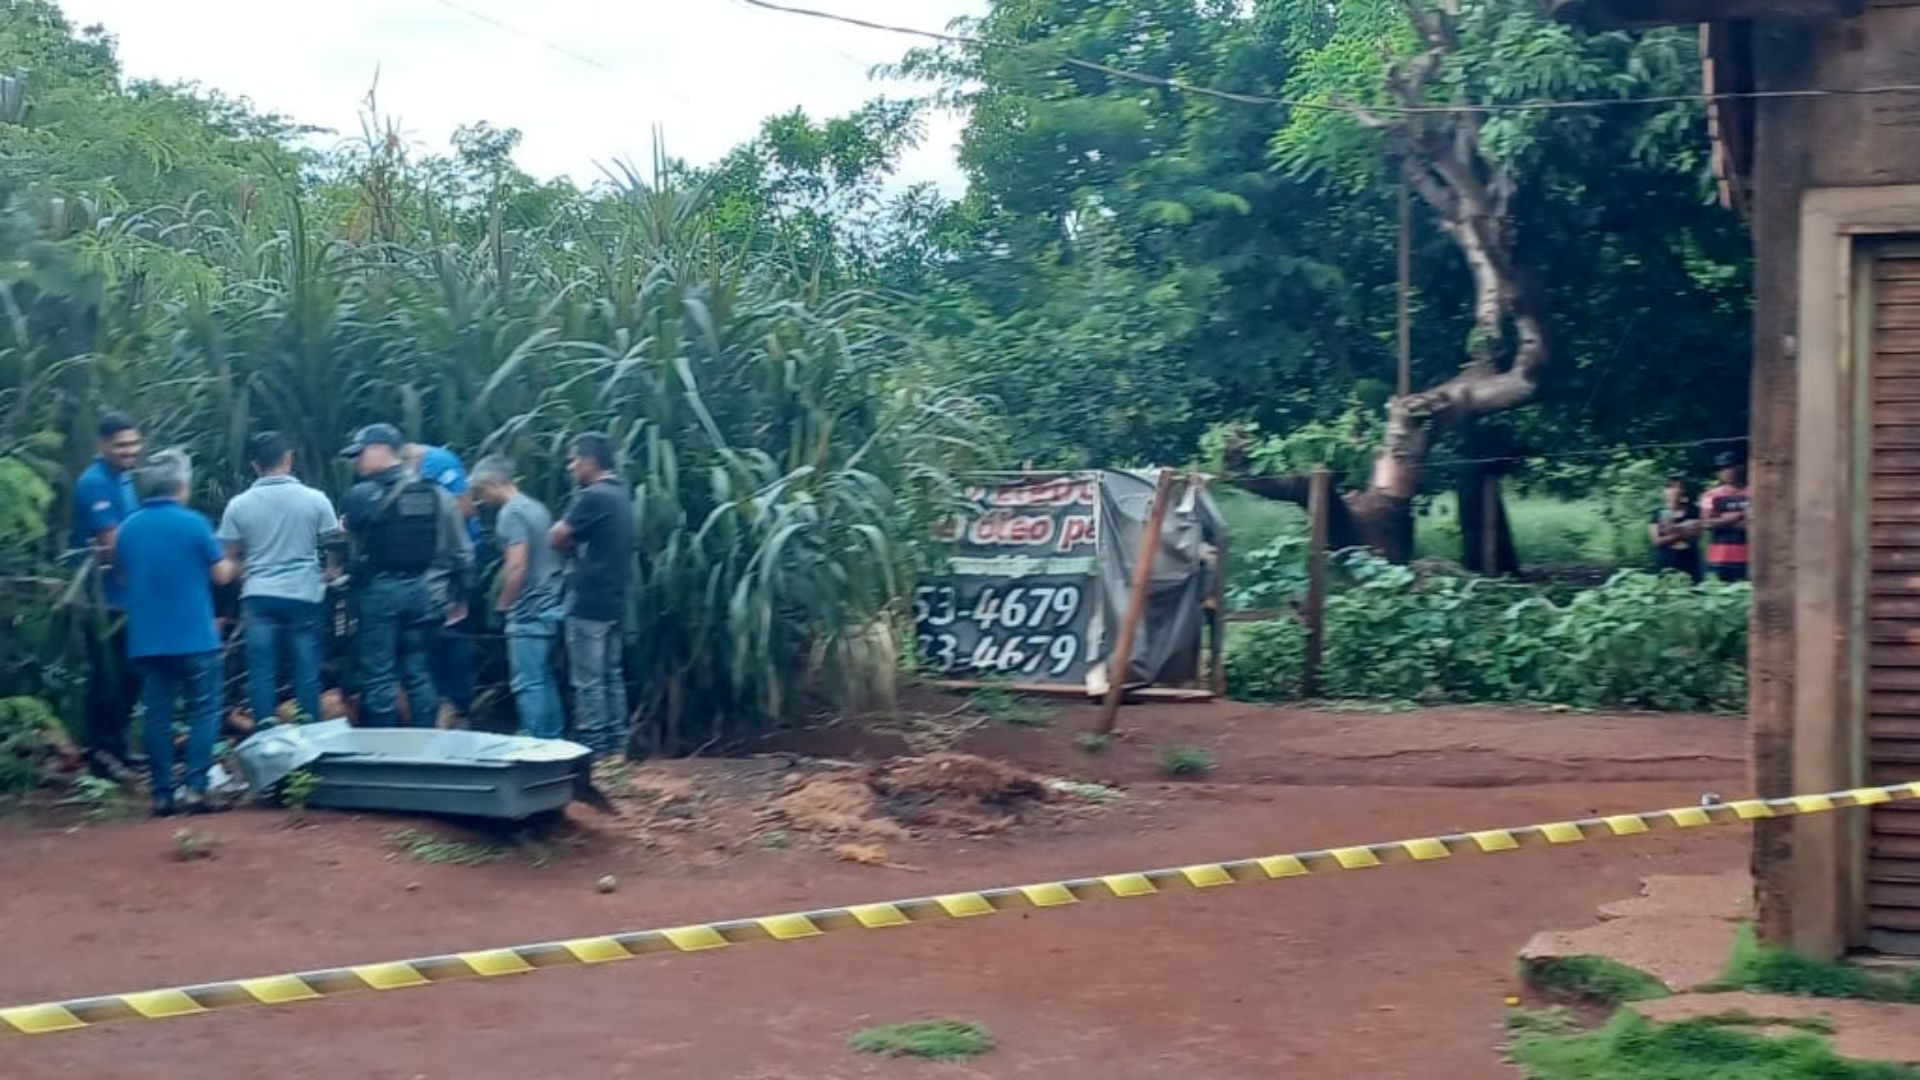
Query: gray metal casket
417, 770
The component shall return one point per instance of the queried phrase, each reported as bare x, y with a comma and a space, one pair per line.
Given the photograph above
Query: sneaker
196, 802
163, 806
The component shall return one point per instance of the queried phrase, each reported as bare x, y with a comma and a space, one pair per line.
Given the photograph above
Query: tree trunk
1469, 488
1470, 191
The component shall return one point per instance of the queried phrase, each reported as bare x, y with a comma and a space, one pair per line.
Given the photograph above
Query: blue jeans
536, 692
398, 620
164, 679
452, 664
594, 656
276, 626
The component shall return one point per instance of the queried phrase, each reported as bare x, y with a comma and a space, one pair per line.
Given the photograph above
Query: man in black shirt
597, 532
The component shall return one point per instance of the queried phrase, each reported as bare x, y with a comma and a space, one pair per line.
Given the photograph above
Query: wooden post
1219, 620
1319, 492
1490, 524
1120, 658
1405, 290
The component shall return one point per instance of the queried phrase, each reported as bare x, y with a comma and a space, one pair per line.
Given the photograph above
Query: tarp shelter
1039, 571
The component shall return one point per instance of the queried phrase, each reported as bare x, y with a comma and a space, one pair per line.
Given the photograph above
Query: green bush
1270, 577
29, 737
1640, 641
1265, 660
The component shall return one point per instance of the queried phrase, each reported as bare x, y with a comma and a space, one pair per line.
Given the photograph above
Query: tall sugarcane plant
784, 460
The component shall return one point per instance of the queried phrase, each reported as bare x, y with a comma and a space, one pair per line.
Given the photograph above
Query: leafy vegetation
1773, 970
794, 357
298, 789
934, 1040
1630, 1047
1399, 633
427, 848
1592, 979
100, 799
1267, 660
30, 737
1187, 761
1003, 705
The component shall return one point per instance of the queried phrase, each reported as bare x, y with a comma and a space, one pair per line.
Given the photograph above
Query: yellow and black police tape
57, 1016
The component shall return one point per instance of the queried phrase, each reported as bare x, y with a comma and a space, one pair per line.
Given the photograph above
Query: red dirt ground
1397, 972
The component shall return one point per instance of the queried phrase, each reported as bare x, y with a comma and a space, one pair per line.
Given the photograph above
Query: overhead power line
1182, 86
519, 33
551, 46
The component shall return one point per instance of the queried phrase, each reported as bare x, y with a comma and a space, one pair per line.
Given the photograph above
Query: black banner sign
1020, 598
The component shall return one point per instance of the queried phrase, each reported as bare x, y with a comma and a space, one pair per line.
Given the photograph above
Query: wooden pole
1490, 524
1218, 609
1405, 291
1121, 656
1319, 492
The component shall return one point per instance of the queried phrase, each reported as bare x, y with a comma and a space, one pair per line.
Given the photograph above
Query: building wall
1800, 735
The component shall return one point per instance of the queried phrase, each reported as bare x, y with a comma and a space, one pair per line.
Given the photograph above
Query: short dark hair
595, 446
115, 422
268, 449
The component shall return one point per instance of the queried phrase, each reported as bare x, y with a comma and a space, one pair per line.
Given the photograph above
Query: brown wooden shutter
1893, 600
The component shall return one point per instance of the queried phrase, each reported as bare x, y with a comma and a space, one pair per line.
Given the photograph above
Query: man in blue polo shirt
171, 561
103, 497
451, 655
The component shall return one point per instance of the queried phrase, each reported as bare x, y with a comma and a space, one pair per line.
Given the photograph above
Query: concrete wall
1802, 727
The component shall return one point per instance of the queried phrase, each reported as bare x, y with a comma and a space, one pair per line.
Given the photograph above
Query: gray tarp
1192, 540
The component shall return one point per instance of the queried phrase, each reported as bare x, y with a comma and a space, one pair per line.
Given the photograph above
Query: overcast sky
586, 81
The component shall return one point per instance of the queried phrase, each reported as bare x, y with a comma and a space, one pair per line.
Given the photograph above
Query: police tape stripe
57, 1016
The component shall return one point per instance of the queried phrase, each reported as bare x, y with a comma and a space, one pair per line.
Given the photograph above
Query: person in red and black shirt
1723, 513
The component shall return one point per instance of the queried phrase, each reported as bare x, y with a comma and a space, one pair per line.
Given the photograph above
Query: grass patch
935, 1040
427, 848
1254, 522
1001, 704
1813, 1025
1553, 1021
1631, 1047
1090, 741
1545, 530
1754, 966
1187, 760
1592, 978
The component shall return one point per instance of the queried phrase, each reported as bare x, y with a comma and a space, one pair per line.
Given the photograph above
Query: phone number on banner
1022, 629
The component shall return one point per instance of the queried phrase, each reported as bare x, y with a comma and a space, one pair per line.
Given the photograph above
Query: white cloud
586, 81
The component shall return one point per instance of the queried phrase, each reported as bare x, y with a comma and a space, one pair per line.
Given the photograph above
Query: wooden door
1891, 349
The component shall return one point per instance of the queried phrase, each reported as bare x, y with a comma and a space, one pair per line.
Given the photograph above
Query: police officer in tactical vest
412, 561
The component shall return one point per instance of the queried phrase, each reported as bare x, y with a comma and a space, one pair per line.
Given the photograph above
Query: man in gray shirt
276, 527
529, 596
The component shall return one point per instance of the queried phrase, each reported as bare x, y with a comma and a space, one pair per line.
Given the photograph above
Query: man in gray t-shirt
529, 595
276, 526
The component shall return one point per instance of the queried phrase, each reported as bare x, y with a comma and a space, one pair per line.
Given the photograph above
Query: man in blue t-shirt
451, 658
103, 497
170, 561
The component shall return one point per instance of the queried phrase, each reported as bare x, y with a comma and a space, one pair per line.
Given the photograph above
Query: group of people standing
409, 532
1720, 515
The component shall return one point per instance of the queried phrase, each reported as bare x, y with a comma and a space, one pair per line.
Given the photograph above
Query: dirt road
1397, 972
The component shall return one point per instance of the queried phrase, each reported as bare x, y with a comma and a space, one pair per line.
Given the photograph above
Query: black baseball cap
373, 435
1726, 459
